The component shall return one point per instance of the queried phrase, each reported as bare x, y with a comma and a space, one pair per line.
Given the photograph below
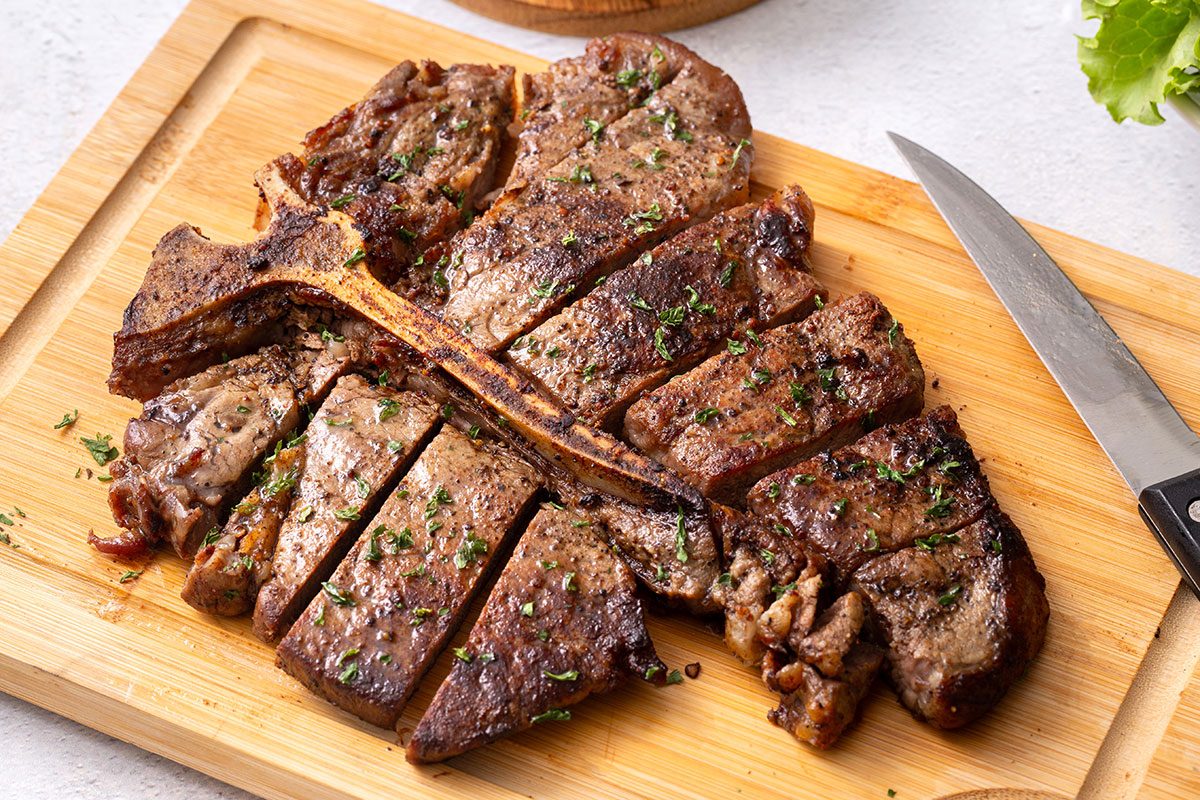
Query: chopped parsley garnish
951, 595
304, 513
839, 507
439, 498
569, 584
68, 420
362, 487
589, 373
473, 432
595, 127
660, 345
643, 221
705, 414
211, 538
941, 504
737, 152
827, 378
398, 541
388, 408
628, 77
570, 239
553, 715
545, 289
569, 675
342, 201
872, 541
681, 553
893, 332
671, 316
800, 395
804, 479
527, 610
636, 301
349, 513
462, 654
339, 597
101, 448
470, 550
887, 473
735, 347
773, 490
674, 677
694, 302
130, 575
933, 540
767, 556
726, 277
355, 257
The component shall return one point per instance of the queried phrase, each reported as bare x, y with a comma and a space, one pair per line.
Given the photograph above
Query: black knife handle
1171, 509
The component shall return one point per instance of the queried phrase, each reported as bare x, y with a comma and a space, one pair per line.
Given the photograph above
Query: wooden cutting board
235, 83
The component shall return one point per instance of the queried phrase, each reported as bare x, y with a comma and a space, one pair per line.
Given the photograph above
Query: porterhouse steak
617, 275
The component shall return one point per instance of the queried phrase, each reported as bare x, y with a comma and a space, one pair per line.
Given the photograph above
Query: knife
1155, 451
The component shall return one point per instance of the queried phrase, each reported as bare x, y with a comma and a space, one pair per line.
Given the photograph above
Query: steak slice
409, 162
402, 592
672, 553
901, 486
962, 619
744, 267
615, 73
772, 595
760, 406
563, 622
188, 455
909, 521
232, 563
661, 167
360, 439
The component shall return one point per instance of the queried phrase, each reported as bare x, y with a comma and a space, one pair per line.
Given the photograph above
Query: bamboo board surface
235, 83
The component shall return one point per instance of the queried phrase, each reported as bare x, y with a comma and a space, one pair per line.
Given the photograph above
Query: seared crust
808, 386
562, 622
746, 267
962, 620
360, 439
888, 480
661, 167
411, 577
615, 73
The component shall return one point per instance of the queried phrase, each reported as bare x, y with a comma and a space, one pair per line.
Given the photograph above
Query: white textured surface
993, 87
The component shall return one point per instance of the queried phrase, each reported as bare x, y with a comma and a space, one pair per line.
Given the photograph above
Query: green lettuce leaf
1143, 52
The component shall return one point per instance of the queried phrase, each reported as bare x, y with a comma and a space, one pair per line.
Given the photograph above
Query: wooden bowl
600, 17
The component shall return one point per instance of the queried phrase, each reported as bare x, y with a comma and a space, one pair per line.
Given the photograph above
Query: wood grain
600, 17
235, 83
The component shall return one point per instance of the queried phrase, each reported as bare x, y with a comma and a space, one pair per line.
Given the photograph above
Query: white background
993, 87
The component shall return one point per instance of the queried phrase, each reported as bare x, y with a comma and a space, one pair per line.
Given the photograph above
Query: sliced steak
359, 441
615, 73
190, 454
674, 554
187, 457
901, 486
962, 619
909, 521
661, 167
401, 593
411, 160
662, 315
232, 563
563, 622
819, 708
800, 389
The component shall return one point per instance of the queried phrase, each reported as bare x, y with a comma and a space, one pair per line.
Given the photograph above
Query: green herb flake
735, 347
951, 595
462, 654
339, 597
660, 346
893, 332
594, 127
839, 507
355, 257
349, 513
941, 504
527, 610
388, 408
553, 715
804, 479
570, 239
130, 575
681, 553
68, 420
101, 448
470, 551
705, 414
737, 152
569, 675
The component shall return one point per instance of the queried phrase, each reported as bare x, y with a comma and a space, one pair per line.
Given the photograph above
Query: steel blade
1122, 406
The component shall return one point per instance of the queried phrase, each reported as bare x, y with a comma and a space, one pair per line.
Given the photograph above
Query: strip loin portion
764, 404
360, 440
659, 168
563, 622
909, 522
746, 267
398, 597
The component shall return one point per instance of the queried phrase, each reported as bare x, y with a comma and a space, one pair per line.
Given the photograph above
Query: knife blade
1147, 440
